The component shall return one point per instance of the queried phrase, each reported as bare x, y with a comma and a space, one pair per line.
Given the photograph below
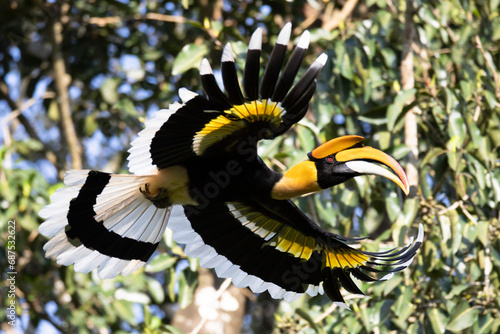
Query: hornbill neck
299, 180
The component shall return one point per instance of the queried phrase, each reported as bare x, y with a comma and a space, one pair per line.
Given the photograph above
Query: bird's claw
160, 200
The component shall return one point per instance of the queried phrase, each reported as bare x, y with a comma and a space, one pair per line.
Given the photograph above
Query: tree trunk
408, 82
213, 311
62, 81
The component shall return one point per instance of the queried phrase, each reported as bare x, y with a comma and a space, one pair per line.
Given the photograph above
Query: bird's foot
160, 200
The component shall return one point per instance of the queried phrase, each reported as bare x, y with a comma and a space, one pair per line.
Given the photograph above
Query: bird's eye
329, 160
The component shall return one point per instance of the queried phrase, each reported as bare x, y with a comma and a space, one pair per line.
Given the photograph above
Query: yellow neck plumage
299, 180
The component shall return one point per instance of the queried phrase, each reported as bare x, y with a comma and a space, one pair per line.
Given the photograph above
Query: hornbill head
335, 162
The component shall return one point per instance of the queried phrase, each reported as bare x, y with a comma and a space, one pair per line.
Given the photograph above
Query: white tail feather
120, 207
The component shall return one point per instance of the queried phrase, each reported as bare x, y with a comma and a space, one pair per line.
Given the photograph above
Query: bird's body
219, 178
196, 168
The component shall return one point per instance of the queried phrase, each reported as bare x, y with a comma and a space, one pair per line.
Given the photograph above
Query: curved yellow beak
356, 159
335, 145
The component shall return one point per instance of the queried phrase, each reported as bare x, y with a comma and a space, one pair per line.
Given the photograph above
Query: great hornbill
196, 164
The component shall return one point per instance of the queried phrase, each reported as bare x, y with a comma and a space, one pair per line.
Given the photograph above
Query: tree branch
4, 91
338, 16
224, 286
103, 21
62, 81
490, 66
16, 113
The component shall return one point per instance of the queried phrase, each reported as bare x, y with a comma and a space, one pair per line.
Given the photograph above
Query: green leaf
410, 210
90, 124
124, 311
132, 296
187, 286
155, 323
445, 225
171, 283
156, 290
391, 284
395, 109
457, 127
170, 329
399, 152
483, 232
452, 152
392, 206
189, 57
372, 220
109, 90
437, 320
53, 111
495, 182
466, 87
463, 317
365, 318
456, 291
161, 262
375, 116
306, 138
486, 324
304, 315
491, 99
431, 155
403, 306
126, 108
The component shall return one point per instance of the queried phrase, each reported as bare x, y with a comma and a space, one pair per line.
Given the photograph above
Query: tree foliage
126, 59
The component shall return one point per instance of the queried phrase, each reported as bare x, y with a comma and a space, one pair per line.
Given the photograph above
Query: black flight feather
275, 62
292, 67
229, 76
252, 66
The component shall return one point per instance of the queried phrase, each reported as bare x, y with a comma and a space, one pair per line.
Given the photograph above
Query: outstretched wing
230, 121
101, 220
275, 247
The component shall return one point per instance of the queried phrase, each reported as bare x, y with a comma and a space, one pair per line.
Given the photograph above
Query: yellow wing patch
343, 258
236, 119
294, 242
291, 241
286, 239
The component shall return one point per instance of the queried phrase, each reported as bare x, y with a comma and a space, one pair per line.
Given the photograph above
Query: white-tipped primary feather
304, 40
256, 40
420, 235
284, 35
205, 68
185, 94
322, 58
343, 305
387, 277
227, 54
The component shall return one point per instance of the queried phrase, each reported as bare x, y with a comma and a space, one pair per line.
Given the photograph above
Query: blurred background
418, 79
